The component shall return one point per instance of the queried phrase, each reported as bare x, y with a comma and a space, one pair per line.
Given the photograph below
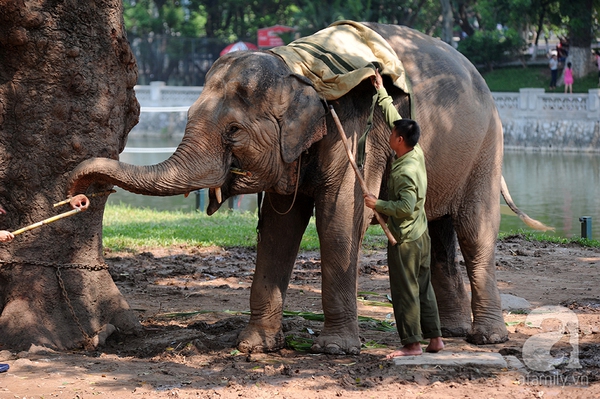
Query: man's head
409, 130
405, 135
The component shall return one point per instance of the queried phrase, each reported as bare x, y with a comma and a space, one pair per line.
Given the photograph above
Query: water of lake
555, 188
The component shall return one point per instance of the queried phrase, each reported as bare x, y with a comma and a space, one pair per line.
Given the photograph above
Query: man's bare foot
435, 345
413, 349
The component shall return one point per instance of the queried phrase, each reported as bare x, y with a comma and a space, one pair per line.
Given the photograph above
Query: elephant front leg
278, 245
340, 226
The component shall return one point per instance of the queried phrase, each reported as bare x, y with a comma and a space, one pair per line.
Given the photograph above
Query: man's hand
6, 236
377, 80
370, 200
80, 201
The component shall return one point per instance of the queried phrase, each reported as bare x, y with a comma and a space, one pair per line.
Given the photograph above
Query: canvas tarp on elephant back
339, 57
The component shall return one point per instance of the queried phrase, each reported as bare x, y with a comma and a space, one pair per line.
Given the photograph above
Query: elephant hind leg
477, 230
447, 281
280, 236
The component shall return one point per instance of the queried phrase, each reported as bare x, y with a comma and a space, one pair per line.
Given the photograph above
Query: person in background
79, 201
553, 64
568, 77
413, 298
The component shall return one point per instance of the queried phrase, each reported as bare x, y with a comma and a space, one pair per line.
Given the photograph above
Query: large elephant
256, 115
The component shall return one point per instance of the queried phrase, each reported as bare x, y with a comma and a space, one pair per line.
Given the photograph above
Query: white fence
531, 118
537, 104
157, 94
535, 119
528, 103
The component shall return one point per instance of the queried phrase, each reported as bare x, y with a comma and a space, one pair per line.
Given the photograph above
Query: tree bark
582, 60
66, 94
447, 21
580, 35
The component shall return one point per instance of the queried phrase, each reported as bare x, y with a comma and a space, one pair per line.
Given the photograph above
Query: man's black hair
409, 129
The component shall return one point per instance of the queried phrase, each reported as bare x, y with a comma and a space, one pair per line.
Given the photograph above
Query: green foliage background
177, 41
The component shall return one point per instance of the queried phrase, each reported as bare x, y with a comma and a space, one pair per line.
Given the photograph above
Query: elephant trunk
182, 173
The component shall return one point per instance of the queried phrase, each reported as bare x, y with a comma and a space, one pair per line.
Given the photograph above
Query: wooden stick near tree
46, 221
363, 185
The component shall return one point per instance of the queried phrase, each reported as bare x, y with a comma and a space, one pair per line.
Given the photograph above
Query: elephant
256, 115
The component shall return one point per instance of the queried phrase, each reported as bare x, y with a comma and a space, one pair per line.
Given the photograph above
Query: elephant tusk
218, 194
238, 171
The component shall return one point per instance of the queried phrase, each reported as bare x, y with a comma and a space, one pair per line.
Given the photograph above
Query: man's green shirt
407, 186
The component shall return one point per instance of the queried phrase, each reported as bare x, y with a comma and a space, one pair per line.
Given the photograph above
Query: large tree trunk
66, 94
447, 21
580, 35
582, 60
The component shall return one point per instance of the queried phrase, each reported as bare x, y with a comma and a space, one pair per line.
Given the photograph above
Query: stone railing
157, 94
532, 118
535, 119
536, 103
164, 109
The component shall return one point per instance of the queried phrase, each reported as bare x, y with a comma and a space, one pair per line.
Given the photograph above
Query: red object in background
269, 37
237, 46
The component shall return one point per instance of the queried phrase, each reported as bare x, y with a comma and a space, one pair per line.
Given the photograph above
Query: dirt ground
192, 303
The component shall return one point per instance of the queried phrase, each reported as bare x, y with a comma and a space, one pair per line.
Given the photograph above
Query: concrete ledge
446, 358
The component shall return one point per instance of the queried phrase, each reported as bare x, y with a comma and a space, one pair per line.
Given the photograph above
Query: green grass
542, 237
133, 229
511, 79
127, 228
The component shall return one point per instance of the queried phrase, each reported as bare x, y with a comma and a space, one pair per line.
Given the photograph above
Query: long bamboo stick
47, 221
363, 185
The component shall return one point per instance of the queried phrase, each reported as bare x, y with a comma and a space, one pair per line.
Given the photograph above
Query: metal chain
96, 267
87, 340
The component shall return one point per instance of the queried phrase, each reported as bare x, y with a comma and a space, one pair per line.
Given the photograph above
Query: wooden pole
46, 221
363, 185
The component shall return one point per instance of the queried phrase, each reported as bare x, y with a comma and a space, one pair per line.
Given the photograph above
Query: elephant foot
253, 340
336, 345
487, 334
458, 331
455, 328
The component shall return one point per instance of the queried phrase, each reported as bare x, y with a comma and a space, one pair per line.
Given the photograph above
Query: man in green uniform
415, 307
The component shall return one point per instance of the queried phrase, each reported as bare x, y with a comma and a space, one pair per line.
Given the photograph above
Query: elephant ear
303, 119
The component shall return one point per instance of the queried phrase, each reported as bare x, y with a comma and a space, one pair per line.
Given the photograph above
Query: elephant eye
233, 129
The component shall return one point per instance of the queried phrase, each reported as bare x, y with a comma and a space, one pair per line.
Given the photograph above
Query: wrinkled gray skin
256, 115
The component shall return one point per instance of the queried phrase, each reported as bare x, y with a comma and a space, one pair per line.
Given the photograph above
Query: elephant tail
534, 224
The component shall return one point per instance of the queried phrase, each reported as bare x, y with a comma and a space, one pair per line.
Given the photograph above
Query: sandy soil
192, 302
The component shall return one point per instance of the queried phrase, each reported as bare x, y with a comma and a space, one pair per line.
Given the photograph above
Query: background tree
580, 17
170, 41
66, 94
177, 41
447, 21
492, 47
